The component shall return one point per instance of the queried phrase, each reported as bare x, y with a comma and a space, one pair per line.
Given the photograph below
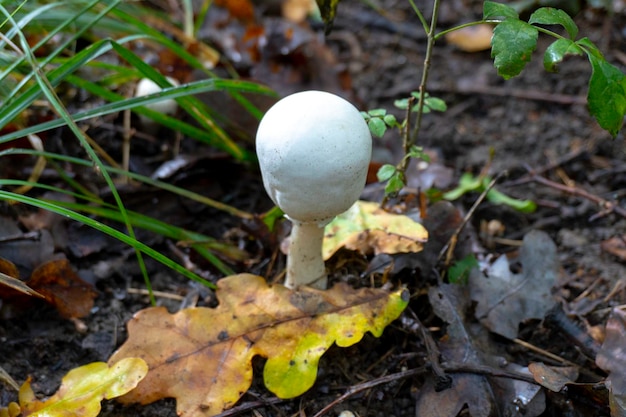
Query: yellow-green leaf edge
289, 376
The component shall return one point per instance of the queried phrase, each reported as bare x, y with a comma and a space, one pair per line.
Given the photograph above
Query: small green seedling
470, 183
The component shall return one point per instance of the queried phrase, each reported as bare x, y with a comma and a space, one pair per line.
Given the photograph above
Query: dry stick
443, 381
249, 406
449, 367
448, 248
606, 206
355, 389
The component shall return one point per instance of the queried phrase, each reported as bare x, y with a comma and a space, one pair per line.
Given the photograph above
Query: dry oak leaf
365, 227
202, 356
83, 388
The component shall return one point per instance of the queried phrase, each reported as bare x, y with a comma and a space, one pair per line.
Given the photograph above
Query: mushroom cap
314, 150
146, 86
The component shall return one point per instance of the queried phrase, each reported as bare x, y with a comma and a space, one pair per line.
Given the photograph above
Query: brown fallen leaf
63, 288
202, 356
9, 278
616, 246
472, 38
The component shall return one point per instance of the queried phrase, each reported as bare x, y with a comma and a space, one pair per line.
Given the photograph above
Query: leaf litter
202, 356
611, 352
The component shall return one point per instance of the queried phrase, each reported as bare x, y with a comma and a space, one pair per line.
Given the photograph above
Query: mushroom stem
305, 265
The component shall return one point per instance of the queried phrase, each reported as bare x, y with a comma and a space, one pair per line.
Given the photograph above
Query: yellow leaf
82, 389
367, 228
202, 356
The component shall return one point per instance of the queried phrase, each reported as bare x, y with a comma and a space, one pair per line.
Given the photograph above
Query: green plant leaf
390, 120
203, 356
557, 51
328, 10
385, 172
395, 183
377, 112
418, 152
401, 104
435, 103
512, 46
552, 16
524, 206
458, 272
377, 126
607, 94
493, 10
467, 183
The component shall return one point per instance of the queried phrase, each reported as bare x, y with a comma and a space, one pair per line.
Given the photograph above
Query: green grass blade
132, 242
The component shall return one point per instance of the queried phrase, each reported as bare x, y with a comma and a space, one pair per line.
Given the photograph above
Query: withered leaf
63, 288
202, 356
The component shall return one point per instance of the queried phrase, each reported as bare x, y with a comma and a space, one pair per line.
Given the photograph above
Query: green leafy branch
512, 46
515, 40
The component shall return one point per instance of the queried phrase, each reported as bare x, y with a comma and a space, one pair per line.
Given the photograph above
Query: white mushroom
146, 86
314, 150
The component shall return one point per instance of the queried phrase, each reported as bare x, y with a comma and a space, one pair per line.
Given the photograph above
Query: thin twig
449, 247
606, 206
355, 389
251, 405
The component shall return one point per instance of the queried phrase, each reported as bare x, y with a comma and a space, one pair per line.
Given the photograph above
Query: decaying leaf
63, 288
9, 277
367, 228
552, 377
84, 388
612, 358
471, 390
505, 299
297, 10
202, 356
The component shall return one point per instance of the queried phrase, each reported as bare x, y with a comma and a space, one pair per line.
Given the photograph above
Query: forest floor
533, 130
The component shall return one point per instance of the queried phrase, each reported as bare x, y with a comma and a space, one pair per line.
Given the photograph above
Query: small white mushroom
146, 86
314, 150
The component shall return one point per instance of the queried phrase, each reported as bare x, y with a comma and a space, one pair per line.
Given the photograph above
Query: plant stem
305, 265
422, 88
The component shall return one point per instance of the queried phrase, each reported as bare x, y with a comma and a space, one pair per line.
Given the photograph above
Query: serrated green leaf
418, 152
401, 104
394, 184
492, 10
552, 16
557, 51
390, 120
377, 126
607, 94
377, 112
590, 47
385, 172
435, 103
512, 46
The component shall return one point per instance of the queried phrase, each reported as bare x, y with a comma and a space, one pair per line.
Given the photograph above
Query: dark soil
534, 123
